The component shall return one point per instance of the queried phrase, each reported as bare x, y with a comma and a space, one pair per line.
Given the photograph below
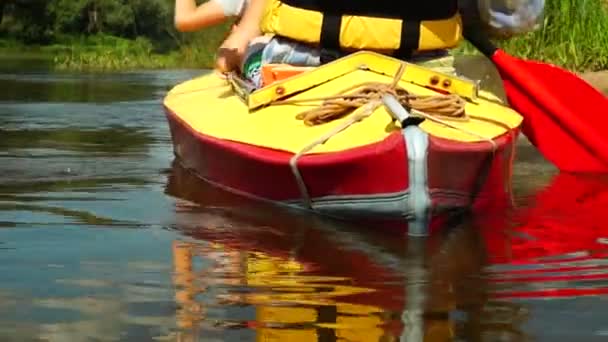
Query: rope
364, 112
449, 106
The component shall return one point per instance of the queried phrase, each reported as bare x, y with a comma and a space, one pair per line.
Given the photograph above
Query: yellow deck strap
364, 60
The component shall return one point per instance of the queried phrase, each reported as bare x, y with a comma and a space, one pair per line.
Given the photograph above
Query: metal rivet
280, 90
447, 83
434, 80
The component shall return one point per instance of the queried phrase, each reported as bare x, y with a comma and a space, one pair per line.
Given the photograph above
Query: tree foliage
42, 21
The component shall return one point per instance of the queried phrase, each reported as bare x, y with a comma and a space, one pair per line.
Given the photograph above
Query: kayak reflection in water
297, 276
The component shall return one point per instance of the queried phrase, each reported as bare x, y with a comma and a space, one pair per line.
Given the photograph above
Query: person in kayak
310, 33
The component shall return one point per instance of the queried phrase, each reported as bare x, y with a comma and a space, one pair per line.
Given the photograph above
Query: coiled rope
448, 106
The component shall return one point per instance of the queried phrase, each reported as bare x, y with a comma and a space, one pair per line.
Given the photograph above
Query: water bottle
252, 61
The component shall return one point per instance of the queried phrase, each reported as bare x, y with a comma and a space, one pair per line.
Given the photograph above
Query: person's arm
233, 49
190, 17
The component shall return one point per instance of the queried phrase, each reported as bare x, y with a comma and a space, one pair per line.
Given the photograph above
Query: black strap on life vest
411, 16
330, 38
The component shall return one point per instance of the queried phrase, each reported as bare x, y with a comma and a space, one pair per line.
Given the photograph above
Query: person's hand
231, 52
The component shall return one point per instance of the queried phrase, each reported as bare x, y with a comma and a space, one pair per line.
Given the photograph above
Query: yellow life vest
396, 27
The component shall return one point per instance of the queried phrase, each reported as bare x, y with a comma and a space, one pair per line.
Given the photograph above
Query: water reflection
102, 91
30, 81
317, 280
110, 140
556, 245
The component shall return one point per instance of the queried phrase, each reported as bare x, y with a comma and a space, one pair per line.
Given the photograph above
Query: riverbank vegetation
574, 35
126, 34
104, 34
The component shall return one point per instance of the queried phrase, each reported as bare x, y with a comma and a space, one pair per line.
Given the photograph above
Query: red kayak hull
369, 183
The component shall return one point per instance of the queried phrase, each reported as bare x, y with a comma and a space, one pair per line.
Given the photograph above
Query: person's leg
286, 51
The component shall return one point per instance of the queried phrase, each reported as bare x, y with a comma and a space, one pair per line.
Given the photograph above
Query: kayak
366, 137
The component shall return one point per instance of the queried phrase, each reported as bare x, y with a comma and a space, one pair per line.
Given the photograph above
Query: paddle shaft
540, 94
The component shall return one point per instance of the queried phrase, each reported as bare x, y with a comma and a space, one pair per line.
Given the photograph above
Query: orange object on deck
276, 72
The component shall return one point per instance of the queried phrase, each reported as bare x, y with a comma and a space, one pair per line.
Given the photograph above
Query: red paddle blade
564, 117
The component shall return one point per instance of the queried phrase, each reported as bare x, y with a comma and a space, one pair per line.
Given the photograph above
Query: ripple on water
99, 242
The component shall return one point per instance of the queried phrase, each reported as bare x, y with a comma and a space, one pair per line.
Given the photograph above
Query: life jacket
395, 27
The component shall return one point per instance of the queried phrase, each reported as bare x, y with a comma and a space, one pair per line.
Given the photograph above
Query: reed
574, 35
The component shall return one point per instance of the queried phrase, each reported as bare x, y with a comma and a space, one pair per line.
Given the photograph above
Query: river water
104, 238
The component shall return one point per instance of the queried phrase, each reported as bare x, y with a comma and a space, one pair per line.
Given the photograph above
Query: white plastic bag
508, 18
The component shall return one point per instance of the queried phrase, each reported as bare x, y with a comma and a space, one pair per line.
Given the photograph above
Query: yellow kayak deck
210, 106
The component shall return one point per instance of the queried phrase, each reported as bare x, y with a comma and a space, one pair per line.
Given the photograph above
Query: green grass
111, 53
107, 53
574, 36
104, 52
